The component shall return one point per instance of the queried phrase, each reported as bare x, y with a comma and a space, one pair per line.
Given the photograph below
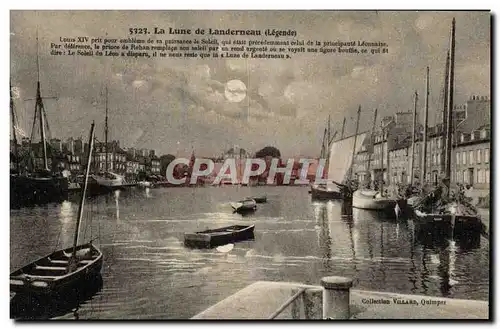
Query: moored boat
220, 236
63, 268
244, 205
373, 200
260, 199
52, 273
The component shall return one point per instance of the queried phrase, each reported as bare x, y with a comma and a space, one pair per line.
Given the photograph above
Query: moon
235, 91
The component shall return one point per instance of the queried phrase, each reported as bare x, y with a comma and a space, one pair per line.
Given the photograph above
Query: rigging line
49, 134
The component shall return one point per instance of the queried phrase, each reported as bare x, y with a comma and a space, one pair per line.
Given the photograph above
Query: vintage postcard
250, 164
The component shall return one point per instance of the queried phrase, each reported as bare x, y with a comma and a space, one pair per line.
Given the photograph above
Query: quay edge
259, 300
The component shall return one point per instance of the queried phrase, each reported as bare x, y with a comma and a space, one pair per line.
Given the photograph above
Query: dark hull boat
244, 206
53, 273
322, 193
45, 307
220, 236
26, 190
64, 268
260, 199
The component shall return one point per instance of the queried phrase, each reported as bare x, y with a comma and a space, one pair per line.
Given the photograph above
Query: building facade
472, 158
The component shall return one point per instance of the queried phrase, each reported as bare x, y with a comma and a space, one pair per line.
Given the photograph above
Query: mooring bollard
336, 297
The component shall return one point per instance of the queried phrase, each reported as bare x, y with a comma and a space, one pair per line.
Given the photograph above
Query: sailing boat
37, 186
370, 199
62, 268
455, 212
338, 166
107, 181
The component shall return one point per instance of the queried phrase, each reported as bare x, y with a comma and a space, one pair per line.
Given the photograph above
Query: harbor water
149, 274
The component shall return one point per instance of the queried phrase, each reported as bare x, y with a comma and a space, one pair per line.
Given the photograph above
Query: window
483, 133
471, 157
486, 155
464, 158
466, 178
480, 176
478, 160
487, 176
434, 159
458, 158
439, 159
458, 180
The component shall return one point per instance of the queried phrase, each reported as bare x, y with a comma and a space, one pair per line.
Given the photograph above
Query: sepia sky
179, 105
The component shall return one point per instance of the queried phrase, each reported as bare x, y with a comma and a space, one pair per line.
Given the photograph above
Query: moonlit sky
179, 105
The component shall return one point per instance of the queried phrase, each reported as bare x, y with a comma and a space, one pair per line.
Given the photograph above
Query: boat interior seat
58, 261
50, 268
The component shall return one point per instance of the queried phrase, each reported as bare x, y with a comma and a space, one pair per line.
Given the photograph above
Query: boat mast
371, 139
450, 106
343, 128
322, 153
444, 153
106, 132
354, 147
13, 116
39, 108
329, 133
84, 189
424, 152
412, 157
382, 162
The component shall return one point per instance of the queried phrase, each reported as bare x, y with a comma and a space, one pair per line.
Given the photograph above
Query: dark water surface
149, 274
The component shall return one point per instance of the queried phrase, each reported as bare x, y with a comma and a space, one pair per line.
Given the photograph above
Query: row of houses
71, 156
470, 163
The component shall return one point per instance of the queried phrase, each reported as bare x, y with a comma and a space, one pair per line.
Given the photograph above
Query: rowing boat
62, 268
244, 205
220, 236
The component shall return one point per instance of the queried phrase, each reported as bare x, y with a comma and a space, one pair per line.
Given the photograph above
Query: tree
270, 151
165, 160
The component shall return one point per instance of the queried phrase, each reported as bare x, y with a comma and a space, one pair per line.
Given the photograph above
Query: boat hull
33, 190
244, 206
319, 193
47, 275
262, 199
218, 237
366, 200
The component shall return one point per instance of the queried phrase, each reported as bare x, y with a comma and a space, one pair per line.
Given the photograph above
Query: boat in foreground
57, 271
63, 268
244, 205
220, 236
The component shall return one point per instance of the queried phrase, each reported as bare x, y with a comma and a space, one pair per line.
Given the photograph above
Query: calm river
149, 274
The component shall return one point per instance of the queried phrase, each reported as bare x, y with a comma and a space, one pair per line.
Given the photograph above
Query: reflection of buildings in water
148, 193
321, 215
412, 275
382, 254
424, 274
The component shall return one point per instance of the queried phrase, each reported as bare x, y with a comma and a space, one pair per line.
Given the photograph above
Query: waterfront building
472, 158
435, 154
471, 147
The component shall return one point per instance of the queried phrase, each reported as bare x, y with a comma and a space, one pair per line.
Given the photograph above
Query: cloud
287, 101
